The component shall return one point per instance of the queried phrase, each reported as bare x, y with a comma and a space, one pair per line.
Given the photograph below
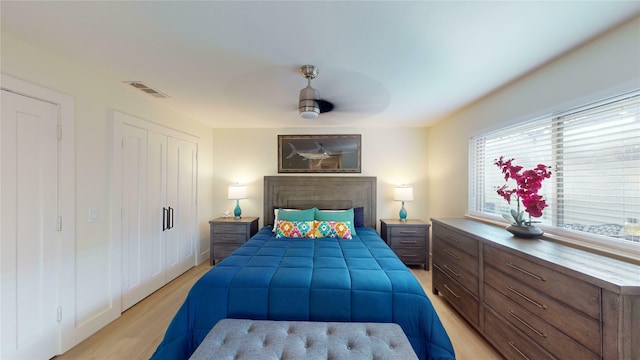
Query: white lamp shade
403, 193
237, 192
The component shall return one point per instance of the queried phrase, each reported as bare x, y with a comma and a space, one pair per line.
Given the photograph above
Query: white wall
96, 95
394, 155
604, 67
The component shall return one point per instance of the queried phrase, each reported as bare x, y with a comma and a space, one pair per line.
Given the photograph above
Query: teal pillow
297, 215
337, 215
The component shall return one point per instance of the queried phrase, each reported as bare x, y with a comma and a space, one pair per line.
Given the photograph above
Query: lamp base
403, 213
237, 211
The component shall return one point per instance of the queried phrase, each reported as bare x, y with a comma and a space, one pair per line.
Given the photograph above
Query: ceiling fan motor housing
307, 105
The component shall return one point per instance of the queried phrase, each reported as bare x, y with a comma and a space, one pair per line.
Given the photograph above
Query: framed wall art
319, 153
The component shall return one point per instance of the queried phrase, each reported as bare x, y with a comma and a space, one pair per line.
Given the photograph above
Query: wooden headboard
323, 192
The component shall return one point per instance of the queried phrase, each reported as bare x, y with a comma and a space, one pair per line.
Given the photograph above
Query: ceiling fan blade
324, 105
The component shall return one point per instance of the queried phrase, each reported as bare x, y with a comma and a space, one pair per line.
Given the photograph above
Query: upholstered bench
239, 339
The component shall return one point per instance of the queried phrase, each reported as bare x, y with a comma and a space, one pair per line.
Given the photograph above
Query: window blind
594, 152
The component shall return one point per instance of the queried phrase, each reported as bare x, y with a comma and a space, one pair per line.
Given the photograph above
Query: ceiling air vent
142, 87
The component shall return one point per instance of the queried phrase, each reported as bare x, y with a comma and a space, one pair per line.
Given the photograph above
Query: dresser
228, 234
408, 239
537, 299
456, 270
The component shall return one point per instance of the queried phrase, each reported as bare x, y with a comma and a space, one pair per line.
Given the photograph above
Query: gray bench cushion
240, 339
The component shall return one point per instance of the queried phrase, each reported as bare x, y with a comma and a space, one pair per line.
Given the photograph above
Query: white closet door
158, 223
28, 224
181, 197
143, 193
156, 206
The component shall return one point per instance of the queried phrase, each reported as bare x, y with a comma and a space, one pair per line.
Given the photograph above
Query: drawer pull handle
450, 253
451, 271
518, 350
451, 291
408, 232
452, 238
408, 242
541, 334
541, 306
525, 271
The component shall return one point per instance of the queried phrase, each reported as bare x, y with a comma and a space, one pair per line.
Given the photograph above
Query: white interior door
156, 204
29, 227
181, 197
155, 207
143, 195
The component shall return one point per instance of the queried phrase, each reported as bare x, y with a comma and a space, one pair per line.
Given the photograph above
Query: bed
311, 279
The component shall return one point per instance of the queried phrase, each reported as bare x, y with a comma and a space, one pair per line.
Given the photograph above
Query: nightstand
228, 234
408, 239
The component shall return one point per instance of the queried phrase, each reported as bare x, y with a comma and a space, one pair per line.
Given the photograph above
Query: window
594, 152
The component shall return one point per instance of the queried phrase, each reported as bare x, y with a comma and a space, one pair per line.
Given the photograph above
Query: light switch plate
94, 215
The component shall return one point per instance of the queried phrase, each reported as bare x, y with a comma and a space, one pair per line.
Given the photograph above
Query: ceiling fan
310, 105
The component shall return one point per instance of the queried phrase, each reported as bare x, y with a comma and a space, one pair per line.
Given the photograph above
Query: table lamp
237, 192
403, 193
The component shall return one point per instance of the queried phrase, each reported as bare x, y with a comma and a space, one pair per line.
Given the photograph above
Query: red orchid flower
528, 183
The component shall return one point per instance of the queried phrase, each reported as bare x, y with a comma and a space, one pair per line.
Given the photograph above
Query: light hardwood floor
136, 334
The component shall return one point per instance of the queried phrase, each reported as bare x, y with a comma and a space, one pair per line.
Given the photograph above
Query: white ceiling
382, 63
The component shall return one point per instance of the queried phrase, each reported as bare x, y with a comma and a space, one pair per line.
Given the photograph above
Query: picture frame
319, 153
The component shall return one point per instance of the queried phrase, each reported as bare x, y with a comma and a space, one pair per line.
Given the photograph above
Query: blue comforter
359, 280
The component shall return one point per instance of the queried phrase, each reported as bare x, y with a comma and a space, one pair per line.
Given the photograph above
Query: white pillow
275, 218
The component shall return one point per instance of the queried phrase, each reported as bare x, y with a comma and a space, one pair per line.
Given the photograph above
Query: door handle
165, 220
171, 217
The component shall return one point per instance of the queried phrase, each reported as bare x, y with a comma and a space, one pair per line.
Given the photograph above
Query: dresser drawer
411, 255
222, 251
456, 294
577, 325
237, 239
457, 259
510, 342
458, 269
229, 229
407, 241
547, 336
410, 231
456, 239
577, 294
